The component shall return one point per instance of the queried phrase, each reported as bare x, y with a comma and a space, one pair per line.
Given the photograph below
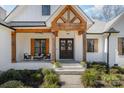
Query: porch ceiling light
109, 32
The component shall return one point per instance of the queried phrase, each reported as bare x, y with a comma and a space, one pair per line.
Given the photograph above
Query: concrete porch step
74, 67
70, 67
69, 71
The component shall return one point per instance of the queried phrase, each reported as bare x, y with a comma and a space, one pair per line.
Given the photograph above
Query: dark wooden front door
66, 48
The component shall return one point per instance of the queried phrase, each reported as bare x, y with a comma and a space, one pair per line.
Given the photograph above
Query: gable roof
97, 27
89, 20
77, 8
5, 24
27, 24
11, 12
112, 22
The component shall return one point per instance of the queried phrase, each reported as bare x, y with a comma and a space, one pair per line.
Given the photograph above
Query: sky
88, 9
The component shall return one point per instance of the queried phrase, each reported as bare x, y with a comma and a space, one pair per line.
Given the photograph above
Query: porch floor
32, 64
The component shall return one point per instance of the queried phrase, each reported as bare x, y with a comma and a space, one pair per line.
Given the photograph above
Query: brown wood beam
13, 36
33, 30
68, 15
54, 48
63, 19
73, 19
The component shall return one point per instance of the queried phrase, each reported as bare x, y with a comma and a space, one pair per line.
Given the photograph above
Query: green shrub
10, 75
99, 63
12, 84
51, 78
100, 66
39, 70
114, 71
31, 78
119, 69
89, 77
26, 74
37, 76
47, 85
47, 71
111, 79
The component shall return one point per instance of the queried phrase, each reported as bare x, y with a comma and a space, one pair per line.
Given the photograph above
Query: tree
108, 12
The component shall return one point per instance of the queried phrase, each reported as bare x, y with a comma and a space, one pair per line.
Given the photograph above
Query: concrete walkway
71, 81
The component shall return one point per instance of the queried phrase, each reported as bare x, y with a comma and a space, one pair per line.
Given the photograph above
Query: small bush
120, 69
37, 76
89, 77
26, 74
47, 71
84, 64
31, 78
111, 79
51, 78
10, 75
114, 71
12, 84
100, 66
57, 65
47, 85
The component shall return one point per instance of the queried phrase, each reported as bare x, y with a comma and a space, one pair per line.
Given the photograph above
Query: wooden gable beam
33, 30
68, 15
73, 19
63, 19
68, 8
76, 14
61, 13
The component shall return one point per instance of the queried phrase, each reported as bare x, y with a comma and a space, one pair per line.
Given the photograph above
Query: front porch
65, 39
35, 45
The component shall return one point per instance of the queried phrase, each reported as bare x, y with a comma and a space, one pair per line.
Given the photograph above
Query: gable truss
69, 19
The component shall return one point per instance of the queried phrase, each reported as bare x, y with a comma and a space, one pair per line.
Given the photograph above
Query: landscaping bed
96, 76
42, 78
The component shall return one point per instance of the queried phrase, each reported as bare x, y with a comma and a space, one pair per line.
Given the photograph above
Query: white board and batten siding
5, 47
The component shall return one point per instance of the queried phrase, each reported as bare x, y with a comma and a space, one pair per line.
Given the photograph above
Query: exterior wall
96, 56
77, 43
5, 48
115, 58
31, 13
23, 43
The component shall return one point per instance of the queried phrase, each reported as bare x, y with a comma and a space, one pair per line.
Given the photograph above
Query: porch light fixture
108, 33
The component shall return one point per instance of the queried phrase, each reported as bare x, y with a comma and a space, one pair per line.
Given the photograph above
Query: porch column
13, 46
84, 46
54, 48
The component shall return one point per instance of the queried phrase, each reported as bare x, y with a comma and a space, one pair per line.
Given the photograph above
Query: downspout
108, 53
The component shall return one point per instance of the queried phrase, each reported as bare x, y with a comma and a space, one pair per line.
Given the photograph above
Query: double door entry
66, 48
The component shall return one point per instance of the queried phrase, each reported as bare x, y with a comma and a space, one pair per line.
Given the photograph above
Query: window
45, 10
92, 45
121, 46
